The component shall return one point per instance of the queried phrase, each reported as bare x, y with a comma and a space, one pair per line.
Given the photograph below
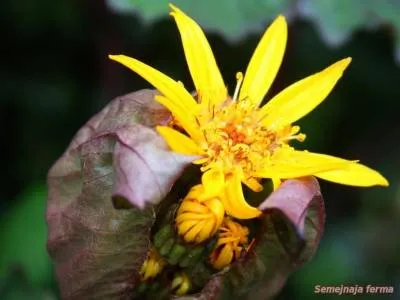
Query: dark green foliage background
55, 75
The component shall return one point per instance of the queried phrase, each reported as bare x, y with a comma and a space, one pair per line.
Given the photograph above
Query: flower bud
198, 220
152, 266
180, 284
231, 244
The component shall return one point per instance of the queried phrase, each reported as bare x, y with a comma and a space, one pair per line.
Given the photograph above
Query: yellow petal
202, 65
205, 232
186, 120
290, 163
211, 211
213, 182
192, 206
191, 216
226, 240
195, 192
253, 184
177, 99
218, 210
180, 285
186, 226
276, 183
191, 235
300, 98
354, 174
265, 62
234, 202
179, 142
224, 258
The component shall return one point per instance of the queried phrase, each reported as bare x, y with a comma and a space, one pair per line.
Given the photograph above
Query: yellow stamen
298, 137
239, 78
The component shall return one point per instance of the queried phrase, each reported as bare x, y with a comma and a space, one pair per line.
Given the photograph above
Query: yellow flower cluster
199, 218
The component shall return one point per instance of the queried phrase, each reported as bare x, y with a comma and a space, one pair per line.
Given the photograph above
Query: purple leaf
97, 249
144, 155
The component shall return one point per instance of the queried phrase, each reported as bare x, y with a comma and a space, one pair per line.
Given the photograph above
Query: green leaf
98, 249
23, 237
18, 287
336, 20
238, 17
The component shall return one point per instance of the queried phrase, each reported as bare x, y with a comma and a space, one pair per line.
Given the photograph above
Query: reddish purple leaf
98, 249
144, 167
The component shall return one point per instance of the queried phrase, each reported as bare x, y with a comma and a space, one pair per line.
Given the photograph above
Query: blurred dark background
55, 75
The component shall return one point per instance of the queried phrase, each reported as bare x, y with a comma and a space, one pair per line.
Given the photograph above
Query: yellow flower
238, 141
230, 245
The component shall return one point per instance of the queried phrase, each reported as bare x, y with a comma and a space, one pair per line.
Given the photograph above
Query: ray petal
213, 182
177, 99
234, 202
290, 163
179, 142
302, 97
253, 184
199, 56
265, 62
186, 120
354, 174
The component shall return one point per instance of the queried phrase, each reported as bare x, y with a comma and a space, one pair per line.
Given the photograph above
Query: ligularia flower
239, 141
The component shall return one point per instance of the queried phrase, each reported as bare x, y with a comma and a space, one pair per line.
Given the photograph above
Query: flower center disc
235, 137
